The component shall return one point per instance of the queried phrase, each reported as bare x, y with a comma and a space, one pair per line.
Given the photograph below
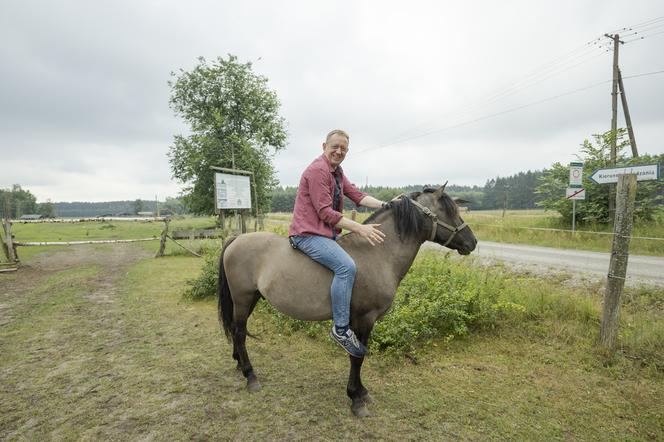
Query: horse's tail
225, 303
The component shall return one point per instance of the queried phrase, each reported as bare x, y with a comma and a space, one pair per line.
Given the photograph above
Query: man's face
335, 149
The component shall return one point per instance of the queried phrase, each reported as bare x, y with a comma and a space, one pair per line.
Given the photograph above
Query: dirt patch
112, 263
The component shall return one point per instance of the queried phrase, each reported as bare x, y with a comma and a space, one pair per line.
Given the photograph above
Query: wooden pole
9, 240
164, 235
614, 120
3, 244
243, 221
622, 231
628, 119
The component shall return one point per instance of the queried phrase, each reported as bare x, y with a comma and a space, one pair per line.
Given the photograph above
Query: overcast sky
84, 112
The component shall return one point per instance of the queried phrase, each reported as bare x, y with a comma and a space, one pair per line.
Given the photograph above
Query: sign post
627, 178
232, 190
575, 191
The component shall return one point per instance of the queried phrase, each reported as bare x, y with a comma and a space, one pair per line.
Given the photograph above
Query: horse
264, 265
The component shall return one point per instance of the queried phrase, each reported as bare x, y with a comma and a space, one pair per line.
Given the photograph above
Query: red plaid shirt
313, 213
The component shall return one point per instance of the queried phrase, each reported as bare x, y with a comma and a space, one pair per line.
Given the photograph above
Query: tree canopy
234, 121
595, 208
16, 201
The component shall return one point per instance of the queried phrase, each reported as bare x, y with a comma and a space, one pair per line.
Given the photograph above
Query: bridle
435, 222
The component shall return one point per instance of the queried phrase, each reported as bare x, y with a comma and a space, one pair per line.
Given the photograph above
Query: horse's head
450, 230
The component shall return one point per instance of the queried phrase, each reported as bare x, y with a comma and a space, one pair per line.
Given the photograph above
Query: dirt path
111, 261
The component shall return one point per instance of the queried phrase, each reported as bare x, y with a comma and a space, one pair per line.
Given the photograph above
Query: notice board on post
231, 191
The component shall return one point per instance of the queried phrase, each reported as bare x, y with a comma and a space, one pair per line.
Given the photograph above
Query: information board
232, 191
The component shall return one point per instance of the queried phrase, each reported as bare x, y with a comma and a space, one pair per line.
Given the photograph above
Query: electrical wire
486, 117
544, 72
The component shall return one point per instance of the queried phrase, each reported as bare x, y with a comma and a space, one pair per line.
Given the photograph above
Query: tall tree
234, 121
595, 208
47, 209
17, 202
138, 206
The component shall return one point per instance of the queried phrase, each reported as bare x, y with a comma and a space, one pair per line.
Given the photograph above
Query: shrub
205, 285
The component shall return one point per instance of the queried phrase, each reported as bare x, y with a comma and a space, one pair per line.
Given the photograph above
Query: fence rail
73, 243
563, 230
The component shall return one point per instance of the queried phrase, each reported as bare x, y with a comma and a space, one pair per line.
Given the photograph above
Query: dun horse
263, 264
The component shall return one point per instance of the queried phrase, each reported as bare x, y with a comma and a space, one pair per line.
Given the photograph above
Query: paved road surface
640, 269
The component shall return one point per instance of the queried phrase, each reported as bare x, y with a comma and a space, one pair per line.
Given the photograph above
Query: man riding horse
317, 222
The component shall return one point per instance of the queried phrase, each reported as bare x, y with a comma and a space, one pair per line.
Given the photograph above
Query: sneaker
349, 342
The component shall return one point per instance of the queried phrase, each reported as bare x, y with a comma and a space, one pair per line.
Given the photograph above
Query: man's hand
371, 233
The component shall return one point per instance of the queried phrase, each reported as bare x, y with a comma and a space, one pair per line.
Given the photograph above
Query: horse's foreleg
358, 394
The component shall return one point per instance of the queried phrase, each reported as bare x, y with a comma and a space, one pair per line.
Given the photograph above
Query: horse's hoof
360, 410
253, 386
367, 398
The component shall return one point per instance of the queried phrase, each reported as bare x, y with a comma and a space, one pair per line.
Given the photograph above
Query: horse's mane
408, 219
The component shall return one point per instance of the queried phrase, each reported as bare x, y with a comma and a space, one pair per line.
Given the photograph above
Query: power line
544, 72
486, 117
643, 37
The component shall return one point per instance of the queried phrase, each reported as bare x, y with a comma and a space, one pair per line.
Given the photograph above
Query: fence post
3, 244
622, 231
11, 248
243, 221
164, 234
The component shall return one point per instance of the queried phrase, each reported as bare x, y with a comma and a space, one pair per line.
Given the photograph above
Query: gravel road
647, 270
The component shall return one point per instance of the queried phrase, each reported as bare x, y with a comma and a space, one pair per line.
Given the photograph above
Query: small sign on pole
572, 193
575, 191
575, 174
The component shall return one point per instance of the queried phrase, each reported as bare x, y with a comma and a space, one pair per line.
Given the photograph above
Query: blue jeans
328, 253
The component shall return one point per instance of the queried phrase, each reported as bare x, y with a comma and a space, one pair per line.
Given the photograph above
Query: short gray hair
343, 133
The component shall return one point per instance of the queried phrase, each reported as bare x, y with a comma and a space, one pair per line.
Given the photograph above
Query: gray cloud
84, 99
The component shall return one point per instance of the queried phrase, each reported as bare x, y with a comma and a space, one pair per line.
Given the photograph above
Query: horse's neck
394, 253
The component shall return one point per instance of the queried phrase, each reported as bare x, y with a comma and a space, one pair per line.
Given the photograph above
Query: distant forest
514, 192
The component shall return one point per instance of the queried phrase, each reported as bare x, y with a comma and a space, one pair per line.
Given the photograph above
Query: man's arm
369, 232
371, 202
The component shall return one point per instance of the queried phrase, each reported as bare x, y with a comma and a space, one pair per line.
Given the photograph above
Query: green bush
205, 285
441, 298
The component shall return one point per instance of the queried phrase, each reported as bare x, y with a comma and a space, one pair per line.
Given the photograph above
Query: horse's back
291, 281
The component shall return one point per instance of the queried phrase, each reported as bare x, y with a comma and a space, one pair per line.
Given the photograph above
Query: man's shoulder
317, 166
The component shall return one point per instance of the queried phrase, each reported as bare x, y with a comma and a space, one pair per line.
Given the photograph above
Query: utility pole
628, 119
614, 119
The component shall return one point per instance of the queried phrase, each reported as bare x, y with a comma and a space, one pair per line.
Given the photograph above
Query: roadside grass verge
521, 227
150, 365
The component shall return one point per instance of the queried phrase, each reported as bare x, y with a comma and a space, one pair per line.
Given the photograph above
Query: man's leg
328, 253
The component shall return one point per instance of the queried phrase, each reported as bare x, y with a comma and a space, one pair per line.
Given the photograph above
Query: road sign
574, 193
575, 174
643, 172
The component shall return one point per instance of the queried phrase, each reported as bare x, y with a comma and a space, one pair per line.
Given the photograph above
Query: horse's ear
440, 190
460, 201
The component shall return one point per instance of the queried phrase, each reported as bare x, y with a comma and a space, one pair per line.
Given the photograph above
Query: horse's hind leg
236, 356
241, 313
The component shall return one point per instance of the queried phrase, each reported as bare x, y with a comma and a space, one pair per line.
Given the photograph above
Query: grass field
98, 344
541, 228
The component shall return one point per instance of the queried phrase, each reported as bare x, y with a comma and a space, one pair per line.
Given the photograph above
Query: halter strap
435, 222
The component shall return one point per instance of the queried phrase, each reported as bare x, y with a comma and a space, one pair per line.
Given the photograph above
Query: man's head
335, 146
